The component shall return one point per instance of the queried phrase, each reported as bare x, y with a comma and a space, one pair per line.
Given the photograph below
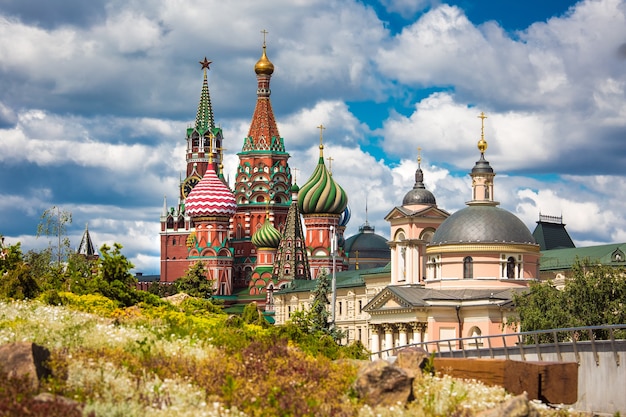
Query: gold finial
356, 266
419, 156
267, 208
330, 164
264, 65
482, 143
321, 128
295, 174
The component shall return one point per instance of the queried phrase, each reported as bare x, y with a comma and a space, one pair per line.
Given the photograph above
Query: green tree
54, 223
594, 295
317, 319
252, 315
195, 282
16, 278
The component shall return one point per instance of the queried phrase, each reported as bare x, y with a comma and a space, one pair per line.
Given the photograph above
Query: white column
388, 337
402, 334
375, 340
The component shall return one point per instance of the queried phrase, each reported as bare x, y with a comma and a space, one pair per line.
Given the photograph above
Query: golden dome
264, 65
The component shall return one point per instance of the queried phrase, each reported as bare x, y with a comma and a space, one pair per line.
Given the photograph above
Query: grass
192, 361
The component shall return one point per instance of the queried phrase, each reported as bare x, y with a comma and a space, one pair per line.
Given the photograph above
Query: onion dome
345, 217
264, 65
321, 194
482, 224
419, 194
267, 236
210, 197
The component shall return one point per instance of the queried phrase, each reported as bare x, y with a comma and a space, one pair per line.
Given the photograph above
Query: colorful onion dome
210, 197
264, 65
345, 217
321, 194
267, 236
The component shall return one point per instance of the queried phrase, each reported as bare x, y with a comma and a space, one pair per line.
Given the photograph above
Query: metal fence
527, 344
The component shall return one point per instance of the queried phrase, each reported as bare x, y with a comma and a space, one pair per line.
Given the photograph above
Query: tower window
510, 267
468, 267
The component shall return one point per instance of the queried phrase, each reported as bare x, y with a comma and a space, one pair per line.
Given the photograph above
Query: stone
380, 383
25, 360
412, 359
518, 406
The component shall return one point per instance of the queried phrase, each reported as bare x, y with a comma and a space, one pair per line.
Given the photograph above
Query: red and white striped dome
210, 197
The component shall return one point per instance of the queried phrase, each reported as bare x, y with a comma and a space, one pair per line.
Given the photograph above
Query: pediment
386, 300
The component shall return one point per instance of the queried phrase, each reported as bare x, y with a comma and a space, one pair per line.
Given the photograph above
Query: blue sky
95, 99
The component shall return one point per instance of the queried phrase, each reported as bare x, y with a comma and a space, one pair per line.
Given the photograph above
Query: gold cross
419, 156
264, 32
321, 128
330, 164
295, 174
482, 118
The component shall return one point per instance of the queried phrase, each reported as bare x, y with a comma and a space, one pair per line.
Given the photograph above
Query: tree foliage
16, 278
317, 319
594, 295
195, 282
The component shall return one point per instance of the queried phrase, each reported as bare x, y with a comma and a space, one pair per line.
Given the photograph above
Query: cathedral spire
263, 134
204, 116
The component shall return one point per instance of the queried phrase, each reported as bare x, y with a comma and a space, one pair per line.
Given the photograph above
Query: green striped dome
267, 236
321, 194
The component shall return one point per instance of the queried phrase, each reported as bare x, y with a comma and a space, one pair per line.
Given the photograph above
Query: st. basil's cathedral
250, 238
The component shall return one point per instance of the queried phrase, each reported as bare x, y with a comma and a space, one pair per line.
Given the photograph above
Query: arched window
510, 267
468, 268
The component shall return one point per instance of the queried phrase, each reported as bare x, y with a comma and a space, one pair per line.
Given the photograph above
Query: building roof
412, 296
482, 224
552, 235
345, 279
557, 259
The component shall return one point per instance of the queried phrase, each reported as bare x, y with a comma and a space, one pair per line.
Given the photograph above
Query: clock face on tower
188, 185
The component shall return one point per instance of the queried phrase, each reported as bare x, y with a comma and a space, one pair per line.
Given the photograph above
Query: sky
95, 98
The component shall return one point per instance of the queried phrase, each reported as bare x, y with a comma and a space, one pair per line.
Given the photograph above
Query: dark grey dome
419, 194
484, 224
369, 245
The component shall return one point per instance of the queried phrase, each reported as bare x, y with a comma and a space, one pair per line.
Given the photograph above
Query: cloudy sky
95, 98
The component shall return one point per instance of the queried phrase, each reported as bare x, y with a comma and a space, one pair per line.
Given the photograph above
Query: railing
521, 344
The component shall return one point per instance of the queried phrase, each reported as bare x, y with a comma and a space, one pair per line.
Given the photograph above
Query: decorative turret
482, 174
204, 140
322, 203
419, 194
321, 194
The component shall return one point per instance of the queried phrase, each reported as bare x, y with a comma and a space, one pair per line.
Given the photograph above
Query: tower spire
204, 116
263, 134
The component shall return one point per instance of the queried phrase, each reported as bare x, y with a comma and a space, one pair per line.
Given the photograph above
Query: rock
518, 406
25, 360
379, 383
412, 359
